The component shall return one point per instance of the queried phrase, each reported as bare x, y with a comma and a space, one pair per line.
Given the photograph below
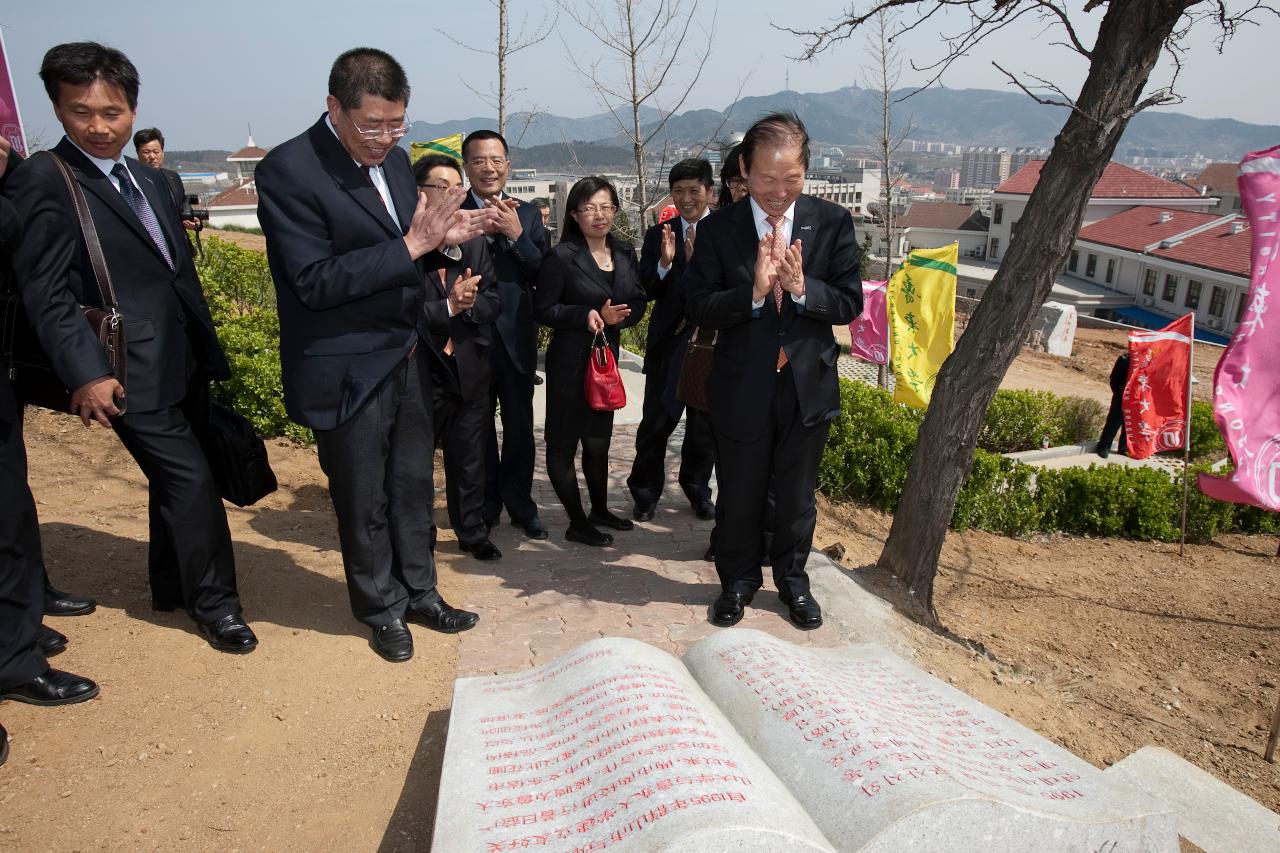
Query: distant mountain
849, 116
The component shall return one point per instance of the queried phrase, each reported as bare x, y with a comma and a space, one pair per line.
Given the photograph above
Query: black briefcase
237, 457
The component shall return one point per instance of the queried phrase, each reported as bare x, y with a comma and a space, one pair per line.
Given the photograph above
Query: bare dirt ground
309, 743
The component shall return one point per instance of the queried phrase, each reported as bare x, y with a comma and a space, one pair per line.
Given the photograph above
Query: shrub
1000, 495
869, 447
1080, 419
237, 284
1206, 439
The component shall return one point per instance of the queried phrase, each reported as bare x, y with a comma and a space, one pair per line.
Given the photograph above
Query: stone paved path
544, 598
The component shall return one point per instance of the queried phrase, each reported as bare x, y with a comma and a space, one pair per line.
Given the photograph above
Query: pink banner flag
1246, 385
10, 119
869, 334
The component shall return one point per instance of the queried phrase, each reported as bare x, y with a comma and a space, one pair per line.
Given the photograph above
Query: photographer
149, 145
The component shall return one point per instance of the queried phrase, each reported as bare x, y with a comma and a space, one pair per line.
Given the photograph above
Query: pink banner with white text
869, 334
1246, 384
10, 119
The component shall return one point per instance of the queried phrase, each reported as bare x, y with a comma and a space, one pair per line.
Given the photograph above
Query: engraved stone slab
612, 746
883, 756
1211, 814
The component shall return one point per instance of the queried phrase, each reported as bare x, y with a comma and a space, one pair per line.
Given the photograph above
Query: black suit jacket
571, 284
163, 308
471, 331
516, 265
718, 287
347, 291
10, 233
666, 295
174, 182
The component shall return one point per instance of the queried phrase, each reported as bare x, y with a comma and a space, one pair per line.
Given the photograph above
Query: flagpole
1186, 443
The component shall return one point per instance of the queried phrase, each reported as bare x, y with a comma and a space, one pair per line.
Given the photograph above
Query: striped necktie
133, 197
777, 249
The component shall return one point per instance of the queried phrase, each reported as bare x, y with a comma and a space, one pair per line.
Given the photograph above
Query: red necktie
776, 250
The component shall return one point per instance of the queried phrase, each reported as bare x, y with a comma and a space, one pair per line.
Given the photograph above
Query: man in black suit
517, 243
172, 350
25, 674
460, 340
773, 272
350, 242
663, 258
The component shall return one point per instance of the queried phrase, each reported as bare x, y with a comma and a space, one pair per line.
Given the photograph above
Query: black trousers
190, 560
788, 452
509, 476
21, 564
697, 451
379, 465
459, 424
1114, 423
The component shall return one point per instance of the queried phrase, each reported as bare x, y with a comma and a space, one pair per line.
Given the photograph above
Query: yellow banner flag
921, 299
450, 146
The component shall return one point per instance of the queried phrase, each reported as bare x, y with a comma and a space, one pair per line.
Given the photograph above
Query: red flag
1155, 397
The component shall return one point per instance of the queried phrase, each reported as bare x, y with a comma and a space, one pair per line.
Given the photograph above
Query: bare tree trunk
1128, 45
637, 137
502, 68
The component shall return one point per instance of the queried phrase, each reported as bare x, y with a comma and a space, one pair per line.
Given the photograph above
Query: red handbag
603, 382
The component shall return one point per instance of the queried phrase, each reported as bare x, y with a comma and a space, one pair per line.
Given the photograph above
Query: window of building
1170, 288
1218, 301
1074, 261
1091, 266
1149, 283
1235, 203
995, 247
1193, 294
1244, 300
997, 214
971, 292
1111, 269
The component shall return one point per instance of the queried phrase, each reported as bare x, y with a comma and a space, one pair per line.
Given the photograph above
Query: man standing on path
172, 351
517, 243
663, 260
773, 272
350, 242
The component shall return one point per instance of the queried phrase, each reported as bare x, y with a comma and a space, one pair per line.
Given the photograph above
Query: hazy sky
210, 70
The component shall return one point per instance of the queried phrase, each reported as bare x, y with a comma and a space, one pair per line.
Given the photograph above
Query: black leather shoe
710, 555
585, 534
4, 746
58, 603
1104, 452
644, 512
537, 380
805, 612
704, 510
604, 518
728, 608
55, 687
393, 641
229, 634
50, 641
439, 616
533, 528
482, 550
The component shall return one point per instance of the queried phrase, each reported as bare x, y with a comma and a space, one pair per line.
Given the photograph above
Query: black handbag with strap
34, 380
237, 457
695, 370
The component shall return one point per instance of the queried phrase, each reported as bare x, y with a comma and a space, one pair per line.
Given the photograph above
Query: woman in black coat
589, 283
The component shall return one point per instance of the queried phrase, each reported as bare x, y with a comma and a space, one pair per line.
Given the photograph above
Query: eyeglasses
737, 183
377, 132
591, 209
433, 186
481, 162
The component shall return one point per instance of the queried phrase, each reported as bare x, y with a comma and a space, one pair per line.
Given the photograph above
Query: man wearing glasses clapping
350, 242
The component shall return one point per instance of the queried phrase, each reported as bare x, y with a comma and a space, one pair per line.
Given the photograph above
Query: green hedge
871, 442
242, 298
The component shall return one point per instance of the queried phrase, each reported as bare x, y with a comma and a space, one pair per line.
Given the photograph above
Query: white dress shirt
107, 165
685, 225
762, 228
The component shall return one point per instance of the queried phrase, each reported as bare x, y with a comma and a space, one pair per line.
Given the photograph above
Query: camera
191, 209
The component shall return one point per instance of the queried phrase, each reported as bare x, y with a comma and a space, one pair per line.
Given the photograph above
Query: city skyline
210, 79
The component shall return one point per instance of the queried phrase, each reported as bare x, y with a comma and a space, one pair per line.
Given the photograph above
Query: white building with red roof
1119, 189
238, 205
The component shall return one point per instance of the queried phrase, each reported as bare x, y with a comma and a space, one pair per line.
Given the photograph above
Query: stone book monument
753, 744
